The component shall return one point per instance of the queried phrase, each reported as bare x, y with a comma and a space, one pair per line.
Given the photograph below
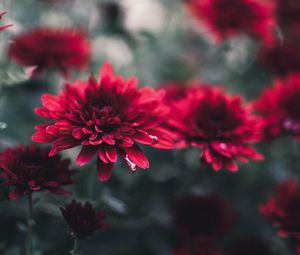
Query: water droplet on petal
130, 164
154, 139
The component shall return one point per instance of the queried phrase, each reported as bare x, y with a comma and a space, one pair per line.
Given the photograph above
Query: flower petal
86, 154
104, 170
137, 157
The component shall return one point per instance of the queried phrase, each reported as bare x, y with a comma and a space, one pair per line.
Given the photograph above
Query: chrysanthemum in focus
202, 216
283, 209
226, 18
5, 26
105, 118
279, 106
220, 125
51, 48
27, 169
82, 219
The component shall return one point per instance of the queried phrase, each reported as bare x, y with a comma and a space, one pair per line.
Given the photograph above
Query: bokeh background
158, 41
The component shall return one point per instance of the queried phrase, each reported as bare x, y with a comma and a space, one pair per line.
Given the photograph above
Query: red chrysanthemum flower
6, 26
202, 216
283, 209
218, 124
279, 106
107, 117
201, 247
43, 48
282, 58
227, 18
250, 246
28, 169
82, 219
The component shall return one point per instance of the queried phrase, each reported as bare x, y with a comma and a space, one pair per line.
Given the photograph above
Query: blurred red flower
106, 117
202, 216
6, 26
82, 219
200, 247
28, 169
43, 48
218, 124
279, 106
281, 58
226, 18
283, 209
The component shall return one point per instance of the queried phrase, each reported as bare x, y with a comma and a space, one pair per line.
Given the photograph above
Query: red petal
144, 138
43, 137
86, 154
231, 165
102, 155
136, 156
111, 153
104, 170
50, 102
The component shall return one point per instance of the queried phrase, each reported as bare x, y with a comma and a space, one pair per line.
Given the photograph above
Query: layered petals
27, 169
82, 219
105, 118
219, 125
279, 107
61, 49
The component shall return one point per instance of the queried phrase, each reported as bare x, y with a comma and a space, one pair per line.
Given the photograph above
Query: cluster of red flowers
283, 209
111, 117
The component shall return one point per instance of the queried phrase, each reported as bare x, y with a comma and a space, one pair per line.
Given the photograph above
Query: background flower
283, 209
281, 58
279, 106
218, 124
227, 18
61, 49
82, 219
28, 169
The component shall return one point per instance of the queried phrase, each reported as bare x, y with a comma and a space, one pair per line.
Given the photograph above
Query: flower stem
29, 226
75, 250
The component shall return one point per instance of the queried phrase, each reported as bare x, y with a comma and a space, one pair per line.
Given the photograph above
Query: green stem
29, 225
75, 250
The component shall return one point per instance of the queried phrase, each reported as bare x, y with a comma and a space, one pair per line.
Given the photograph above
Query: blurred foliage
157, 41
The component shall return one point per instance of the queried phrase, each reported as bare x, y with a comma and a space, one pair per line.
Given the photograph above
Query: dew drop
154, 139
130, 164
